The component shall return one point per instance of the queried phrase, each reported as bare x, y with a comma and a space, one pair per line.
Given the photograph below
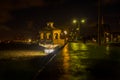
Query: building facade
51, 35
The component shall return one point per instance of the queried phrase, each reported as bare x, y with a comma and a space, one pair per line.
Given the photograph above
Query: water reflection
12, 54
66, 58
74, 54
65, 64
88, 62
78, 46
107, 50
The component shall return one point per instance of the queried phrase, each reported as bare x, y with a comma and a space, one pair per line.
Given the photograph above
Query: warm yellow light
29, 40
66, 58
65, 32
74, 21
78, 29
83, 21
42, 36
48, 50
78, 46
83, 47
74, 46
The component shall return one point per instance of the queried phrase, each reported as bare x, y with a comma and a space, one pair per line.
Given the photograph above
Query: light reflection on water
20, 54
73, 54
107, 50
78, 53
81, 57
78, 46
66, 64
66, 58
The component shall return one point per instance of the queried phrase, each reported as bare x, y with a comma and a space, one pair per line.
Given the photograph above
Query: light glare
49, 50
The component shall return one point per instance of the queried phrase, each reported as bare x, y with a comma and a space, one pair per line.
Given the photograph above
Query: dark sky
19, 17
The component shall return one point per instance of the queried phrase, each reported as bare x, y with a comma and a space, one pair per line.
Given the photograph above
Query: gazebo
50, 34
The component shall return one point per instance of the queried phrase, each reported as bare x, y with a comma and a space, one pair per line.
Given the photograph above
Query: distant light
49, 50
49, 45
29, 40
74, 21
65, 32
77, 28
83, 21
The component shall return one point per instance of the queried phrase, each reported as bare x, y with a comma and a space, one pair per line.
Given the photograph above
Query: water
12, 54
20, 64
76, 61
88, 62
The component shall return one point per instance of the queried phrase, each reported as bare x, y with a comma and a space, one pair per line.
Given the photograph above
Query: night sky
27, 17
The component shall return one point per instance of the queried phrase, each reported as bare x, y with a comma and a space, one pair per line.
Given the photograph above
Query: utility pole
99, 22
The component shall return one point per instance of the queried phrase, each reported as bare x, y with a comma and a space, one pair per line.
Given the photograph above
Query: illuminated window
48, 35
42, 36
56, 35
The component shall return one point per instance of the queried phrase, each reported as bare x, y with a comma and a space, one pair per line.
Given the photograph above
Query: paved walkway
78, 61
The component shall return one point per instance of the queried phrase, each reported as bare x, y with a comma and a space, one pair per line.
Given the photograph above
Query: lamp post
99, 22
78, 25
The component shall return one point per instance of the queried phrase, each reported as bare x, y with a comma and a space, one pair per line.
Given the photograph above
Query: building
50, 34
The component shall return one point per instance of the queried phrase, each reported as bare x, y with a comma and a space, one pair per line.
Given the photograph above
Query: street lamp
83, 21
78, 25
75, 21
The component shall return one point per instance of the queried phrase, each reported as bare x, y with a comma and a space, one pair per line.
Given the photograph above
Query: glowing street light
78, 25
74, 21
29, 40
83, 21
65, 32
